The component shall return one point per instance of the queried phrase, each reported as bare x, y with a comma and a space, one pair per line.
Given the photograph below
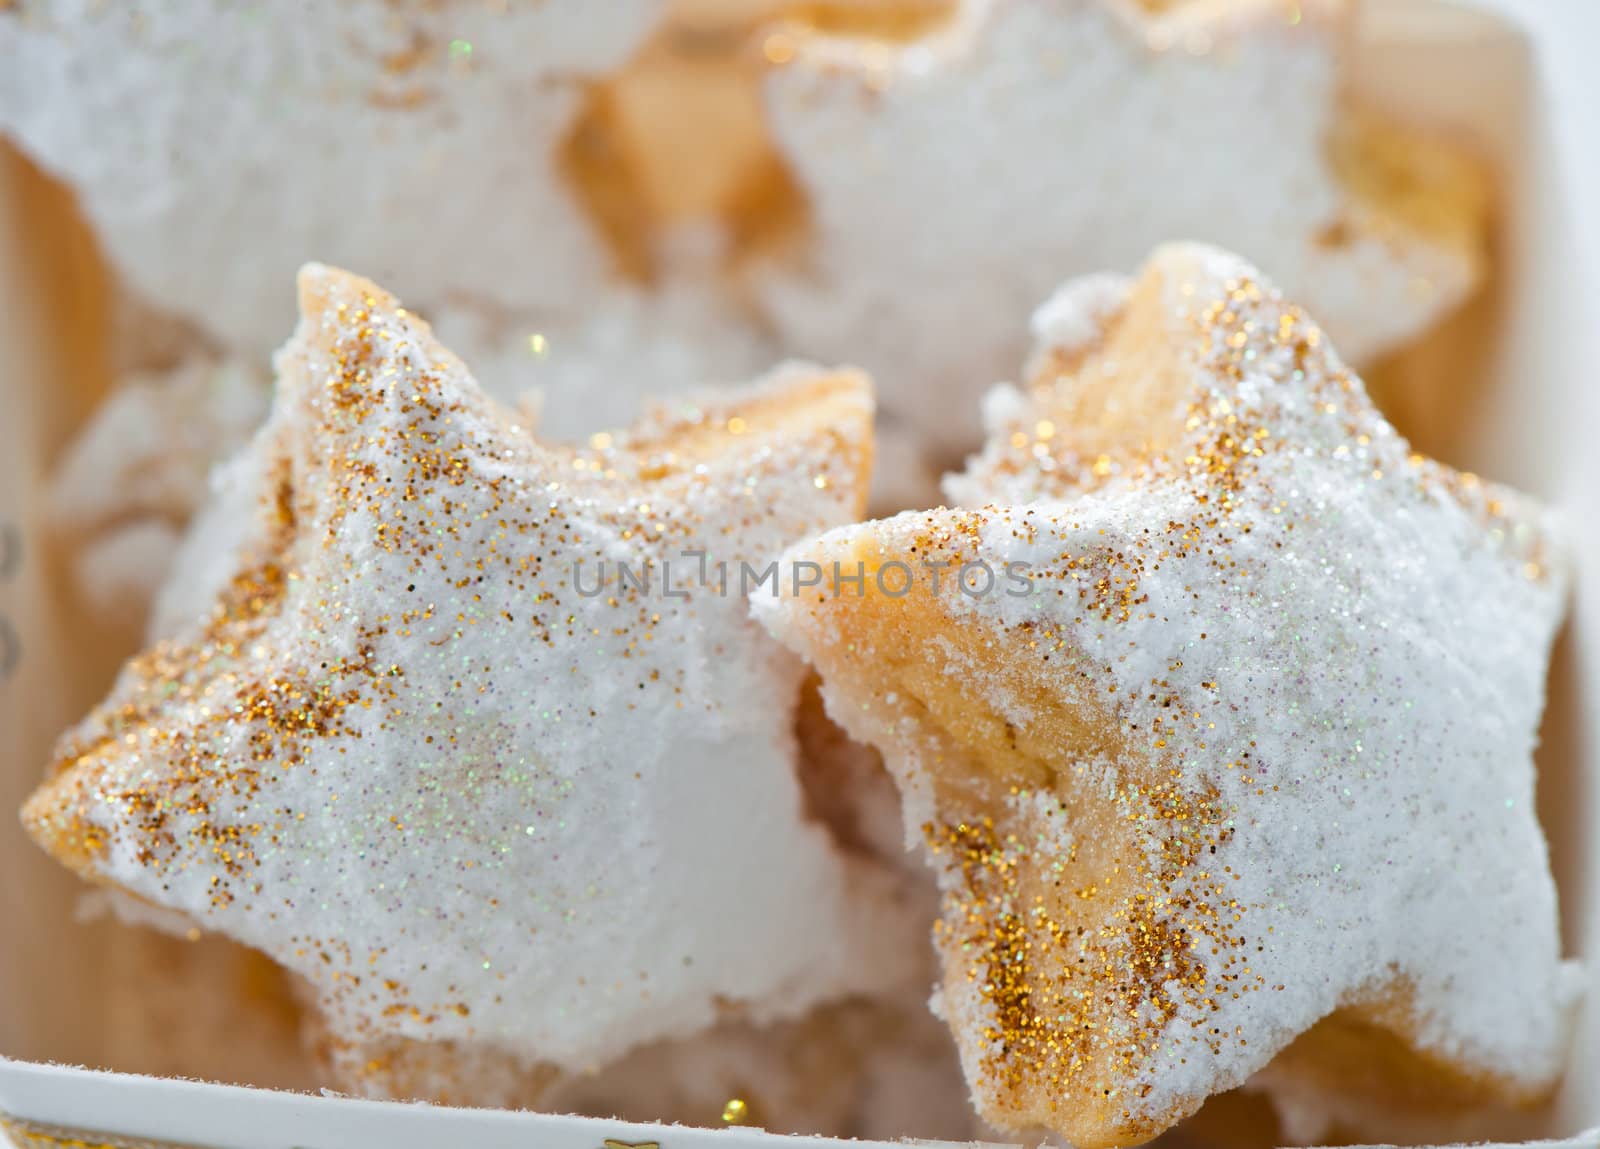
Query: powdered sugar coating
120, 570
408, 759
1324, 658
1071, 320
954, 182
150, 446
219, 541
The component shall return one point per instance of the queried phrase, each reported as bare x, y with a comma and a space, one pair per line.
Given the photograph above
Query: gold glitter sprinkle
1093, 927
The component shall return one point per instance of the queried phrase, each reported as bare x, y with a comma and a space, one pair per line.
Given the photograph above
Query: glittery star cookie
478, 737
1216, 713
954, 179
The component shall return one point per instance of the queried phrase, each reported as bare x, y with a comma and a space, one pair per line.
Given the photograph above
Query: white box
1519, 73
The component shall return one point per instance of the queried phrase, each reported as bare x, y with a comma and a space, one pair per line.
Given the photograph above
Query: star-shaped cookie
955, 178
421, 140
1215, 712
479, 738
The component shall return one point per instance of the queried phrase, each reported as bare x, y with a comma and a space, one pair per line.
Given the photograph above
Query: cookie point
322, 288
53, 818
312, 284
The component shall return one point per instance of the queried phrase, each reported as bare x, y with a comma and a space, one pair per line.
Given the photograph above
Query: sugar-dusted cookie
215, 147
470, 741
954, 177
1215, 709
